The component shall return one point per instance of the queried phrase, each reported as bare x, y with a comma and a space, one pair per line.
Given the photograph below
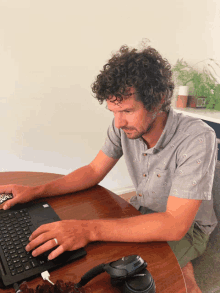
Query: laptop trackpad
45, 221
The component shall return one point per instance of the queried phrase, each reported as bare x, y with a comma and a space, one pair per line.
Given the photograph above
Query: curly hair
146, 71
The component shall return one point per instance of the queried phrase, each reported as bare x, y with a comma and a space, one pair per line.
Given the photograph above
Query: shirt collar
168, 131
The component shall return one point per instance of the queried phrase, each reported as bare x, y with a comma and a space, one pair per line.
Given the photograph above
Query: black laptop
16, 225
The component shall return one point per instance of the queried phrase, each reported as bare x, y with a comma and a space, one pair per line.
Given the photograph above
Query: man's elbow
178, 235
177, 229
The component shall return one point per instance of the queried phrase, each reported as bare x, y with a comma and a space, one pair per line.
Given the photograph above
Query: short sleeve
196, 161
112, 146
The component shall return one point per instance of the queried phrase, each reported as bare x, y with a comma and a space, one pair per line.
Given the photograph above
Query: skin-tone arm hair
80, 179
171, 225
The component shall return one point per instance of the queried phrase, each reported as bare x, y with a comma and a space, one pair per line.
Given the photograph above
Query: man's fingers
37, 241
9, 203
44, 247
42, 229
43, 244
56, 252
5, 189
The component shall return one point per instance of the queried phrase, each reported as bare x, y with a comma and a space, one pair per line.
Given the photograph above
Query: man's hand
70, 234
21, 194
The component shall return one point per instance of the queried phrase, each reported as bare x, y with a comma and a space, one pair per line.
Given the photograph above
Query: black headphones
129, 272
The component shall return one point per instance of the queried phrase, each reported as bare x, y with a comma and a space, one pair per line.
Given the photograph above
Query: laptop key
25, 243
15, 239
15, 260
14, 255
13, 272
11, 230
17, 214
27, 233
23, 240
27, 266
10, 247
25, 259
18, 245
7, 221
11, 267
20, 270
34, 263
4, 216
29, 253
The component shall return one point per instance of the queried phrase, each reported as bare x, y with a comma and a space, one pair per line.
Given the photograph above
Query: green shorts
191, 246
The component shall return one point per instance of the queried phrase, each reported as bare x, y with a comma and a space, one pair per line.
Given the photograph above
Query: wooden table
98, 202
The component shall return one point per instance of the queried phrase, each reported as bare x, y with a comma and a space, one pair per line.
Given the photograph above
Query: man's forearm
143, 228
79, 179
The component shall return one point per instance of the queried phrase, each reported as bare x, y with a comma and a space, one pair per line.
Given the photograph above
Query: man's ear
161, 103
158, 108
162, 100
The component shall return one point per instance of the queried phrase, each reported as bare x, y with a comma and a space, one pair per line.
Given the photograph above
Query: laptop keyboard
15, 230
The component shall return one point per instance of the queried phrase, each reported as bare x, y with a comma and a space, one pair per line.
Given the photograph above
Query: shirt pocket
160, 183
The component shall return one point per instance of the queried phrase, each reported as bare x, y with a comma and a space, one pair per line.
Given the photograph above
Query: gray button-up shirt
181, 164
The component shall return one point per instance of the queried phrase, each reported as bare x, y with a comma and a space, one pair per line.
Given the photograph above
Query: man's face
132, 117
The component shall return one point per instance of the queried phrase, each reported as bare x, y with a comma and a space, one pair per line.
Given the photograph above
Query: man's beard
139, 134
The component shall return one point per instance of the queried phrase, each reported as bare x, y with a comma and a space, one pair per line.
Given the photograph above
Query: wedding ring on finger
56, 241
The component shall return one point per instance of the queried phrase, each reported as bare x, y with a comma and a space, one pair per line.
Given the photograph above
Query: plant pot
196, 102
191, 102
182, 97
181, 101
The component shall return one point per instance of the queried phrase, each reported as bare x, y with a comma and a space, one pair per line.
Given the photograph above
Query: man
170, 157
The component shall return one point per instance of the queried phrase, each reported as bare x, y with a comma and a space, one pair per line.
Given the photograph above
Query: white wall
51, 52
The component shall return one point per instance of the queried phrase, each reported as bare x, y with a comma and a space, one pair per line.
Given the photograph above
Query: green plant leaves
202, 84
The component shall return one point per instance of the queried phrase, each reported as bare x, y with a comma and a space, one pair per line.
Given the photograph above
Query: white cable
46, 276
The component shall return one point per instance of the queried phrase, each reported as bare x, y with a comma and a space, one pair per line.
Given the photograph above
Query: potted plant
182, 75
203, 84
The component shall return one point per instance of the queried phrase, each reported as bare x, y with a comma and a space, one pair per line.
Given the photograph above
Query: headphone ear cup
140, 283
116, 282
